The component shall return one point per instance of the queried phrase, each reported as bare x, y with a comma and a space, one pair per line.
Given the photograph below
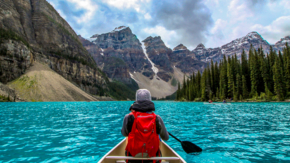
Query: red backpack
143, 137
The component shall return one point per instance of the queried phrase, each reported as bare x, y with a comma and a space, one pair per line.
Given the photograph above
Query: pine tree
230, 80
198, 86
212, 77
208, 83
278, 81
216, 79
271, 61
245, 70
245, 88
178, 96
203, 86
253, 73
287, 74
223, 79
238, 86
184, 87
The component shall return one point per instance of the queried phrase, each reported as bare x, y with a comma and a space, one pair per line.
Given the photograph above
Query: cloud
191, 20
240, 10
125, 4
217, 30
273, 32
89, 8
217, 37
165, 35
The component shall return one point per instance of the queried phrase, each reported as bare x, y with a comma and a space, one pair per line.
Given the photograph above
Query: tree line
255, 76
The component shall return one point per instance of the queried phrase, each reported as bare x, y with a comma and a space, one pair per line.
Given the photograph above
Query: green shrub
197, 99
5, 99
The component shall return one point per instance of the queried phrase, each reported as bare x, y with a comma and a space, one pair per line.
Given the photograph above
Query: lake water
85, 131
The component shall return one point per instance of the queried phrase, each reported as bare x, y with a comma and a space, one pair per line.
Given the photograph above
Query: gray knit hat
143, 94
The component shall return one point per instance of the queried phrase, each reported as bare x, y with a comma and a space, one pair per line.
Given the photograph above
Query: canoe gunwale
111, 155
142, 158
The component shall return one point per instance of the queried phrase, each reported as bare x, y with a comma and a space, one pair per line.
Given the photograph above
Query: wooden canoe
117, 154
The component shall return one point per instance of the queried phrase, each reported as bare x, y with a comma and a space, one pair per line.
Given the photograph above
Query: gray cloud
190, 19
257, 5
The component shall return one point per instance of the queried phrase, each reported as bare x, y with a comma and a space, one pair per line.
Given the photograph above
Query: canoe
117, 154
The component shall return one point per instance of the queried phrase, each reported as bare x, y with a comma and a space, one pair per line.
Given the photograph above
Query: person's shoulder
127, 115
158, 116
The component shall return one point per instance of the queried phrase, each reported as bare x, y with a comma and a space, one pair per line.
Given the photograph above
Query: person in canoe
143, 128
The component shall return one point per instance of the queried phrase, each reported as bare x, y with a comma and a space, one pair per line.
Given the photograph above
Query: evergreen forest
255, 77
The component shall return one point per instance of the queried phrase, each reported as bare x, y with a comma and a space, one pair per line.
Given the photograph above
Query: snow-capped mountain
282, 43
153, 65
237, 46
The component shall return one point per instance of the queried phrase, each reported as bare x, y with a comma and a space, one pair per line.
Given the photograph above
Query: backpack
143, 138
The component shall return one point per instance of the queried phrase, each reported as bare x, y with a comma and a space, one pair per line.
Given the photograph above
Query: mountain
157, 52
118, 53
32, 31
152, 65
185, 60
237, 46
125, 59
281, 44
149, 63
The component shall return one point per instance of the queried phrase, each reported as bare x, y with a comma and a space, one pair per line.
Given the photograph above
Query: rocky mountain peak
200, 46
253, 35
155, 39
180, 47
95, 36
283, 41
154, 42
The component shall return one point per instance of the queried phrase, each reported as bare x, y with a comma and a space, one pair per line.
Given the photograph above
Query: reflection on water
85, 131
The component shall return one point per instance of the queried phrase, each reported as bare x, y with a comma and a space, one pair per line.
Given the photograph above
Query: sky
188, 22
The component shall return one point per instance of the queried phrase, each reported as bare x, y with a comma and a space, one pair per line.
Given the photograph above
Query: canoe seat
120, 161
123, 161
138, 158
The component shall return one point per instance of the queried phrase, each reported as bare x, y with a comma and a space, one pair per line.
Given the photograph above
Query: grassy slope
40, 83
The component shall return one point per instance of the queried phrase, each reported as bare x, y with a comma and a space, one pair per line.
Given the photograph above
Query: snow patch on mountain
119, 28
155, 69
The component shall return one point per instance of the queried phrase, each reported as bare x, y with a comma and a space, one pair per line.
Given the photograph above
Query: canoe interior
119, 150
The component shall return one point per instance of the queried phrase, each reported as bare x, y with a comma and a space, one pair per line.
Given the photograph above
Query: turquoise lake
85, 131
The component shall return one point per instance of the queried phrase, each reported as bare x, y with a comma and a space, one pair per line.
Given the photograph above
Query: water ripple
85, 131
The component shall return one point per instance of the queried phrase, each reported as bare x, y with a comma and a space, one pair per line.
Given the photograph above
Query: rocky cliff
118, 53
159, 55
33, 30
185, 60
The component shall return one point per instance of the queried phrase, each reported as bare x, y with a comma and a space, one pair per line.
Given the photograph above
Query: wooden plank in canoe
118, 154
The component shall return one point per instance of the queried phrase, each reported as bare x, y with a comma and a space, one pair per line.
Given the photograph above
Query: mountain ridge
166, 61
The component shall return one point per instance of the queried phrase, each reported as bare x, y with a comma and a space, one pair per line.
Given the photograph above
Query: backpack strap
158, 127
130, 122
